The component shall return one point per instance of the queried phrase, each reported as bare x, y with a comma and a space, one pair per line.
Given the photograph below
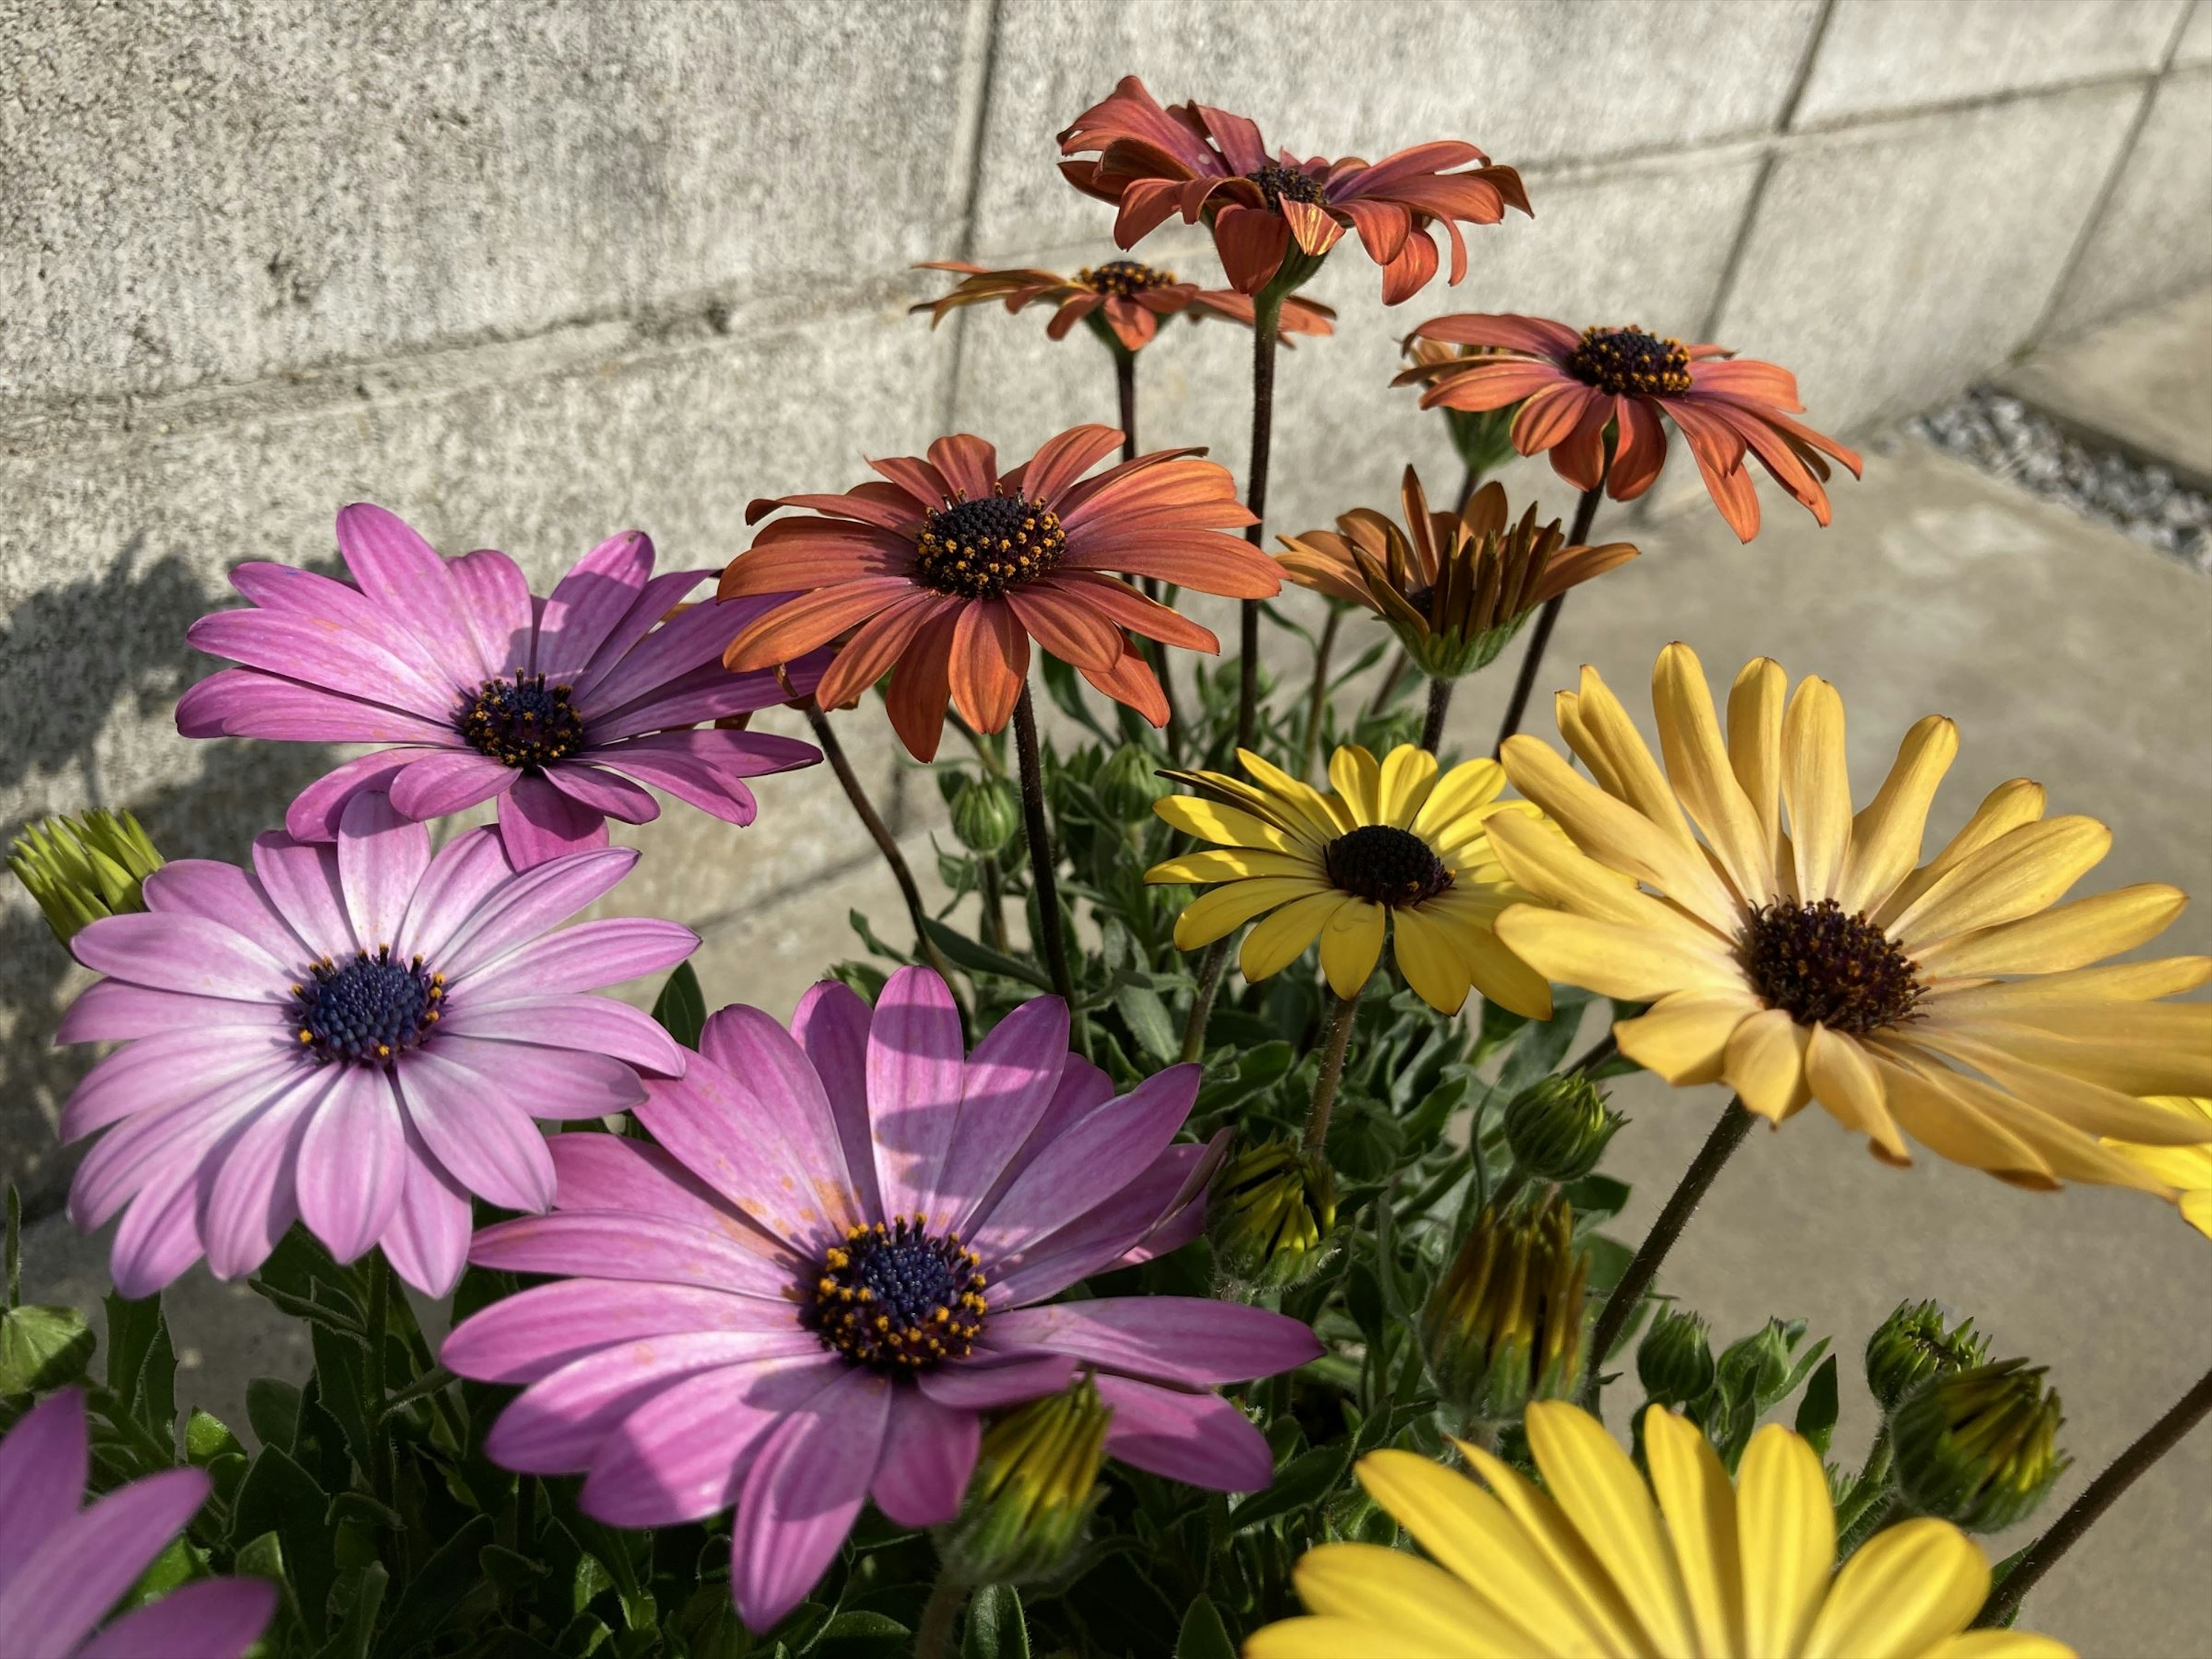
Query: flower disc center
1278, 182
369, 1010
1627, 361
522, 722
1124, 279
1390, 866
1822, 963
977, 550
898, 1298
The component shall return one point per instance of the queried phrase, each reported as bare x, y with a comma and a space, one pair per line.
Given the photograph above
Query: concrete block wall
530, 274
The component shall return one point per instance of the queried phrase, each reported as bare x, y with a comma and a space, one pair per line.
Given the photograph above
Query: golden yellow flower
2188, 1170
1392, 848
1591, 1565
1799, 952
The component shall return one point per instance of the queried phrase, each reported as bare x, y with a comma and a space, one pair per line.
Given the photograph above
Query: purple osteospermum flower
483, 691
61, 1567
705, 1353
357, 1035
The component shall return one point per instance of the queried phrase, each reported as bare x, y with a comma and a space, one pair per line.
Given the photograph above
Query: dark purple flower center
522, 722
1277, 183
1390, 866
1124, 278
979, 549
899, 1298
1628, 363
1822, 963
369, 1011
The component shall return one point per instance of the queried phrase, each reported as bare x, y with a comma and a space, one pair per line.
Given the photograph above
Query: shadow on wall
72, 658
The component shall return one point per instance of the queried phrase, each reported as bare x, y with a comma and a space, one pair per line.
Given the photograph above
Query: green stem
1336, 1038
1267, 326
1533, 660
1052, 939
879, 832
1317, 703
379, 1431
1201, 1001
933, 1638
1432, 732
994, 905
1873, 1483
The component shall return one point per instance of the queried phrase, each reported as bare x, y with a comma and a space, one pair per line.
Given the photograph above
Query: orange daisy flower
1208, 163
1571, 387
947, 568
1123, 295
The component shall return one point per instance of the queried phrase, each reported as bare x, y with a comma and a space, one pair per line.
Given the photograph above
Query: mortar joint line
978, 144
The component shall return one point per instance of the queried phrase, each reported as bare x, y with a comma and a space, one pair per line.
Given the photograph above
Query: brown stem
1334, 1041
1317, 704
1201, 1001
1267, 320
1467, 484
1533, 659
1125, 388
1728, 1134
1052, 939
933, 1638
2081, 1514
1597, 1054
879, 832
1432, 732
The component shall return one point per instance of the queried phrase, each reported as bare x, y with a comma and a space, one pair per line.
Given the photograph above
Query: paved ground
2066, 653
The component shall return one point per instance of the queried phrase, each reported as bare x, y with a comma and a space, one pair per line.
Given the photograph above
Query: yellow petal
1356, 777
1816, 788
1683, 1036
1294, 797
2008, 807
1610, 958
1503, 977
1574, 1566
1999, 1644
1765, 1064
1950, 1122
1642, 785
1566, 709
2057, 1149
1211, 915
1282, 938
1698, 763
1755, 740
1228, 863
1346, 1639
2012, 876
1886, 837
2065, 936
1351, 943
1229, 826
2196, 1209
1460, 791
1842, 1077
1695, 1496
1470, 1534
1408, 774
1601, 1493
2124, 982
2137, 1047
1428, 957
1903, 1590
1784, 1517
1421, 1608
2091, 1107
2185, 1169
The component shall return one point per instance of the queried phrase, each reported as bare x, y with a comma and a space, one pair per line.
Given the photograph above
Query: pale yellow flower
2188, 1170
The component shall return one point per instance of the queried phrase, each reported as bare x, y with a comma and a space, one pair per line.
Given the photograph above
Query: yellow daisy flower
1392, 847
1588, 1565
1799, 952
2186, 1168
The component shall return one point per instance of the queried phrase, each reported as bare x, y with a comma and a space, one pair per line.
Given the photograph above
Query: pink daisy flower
561, 707
62, 1567
705, 1349
356, 1036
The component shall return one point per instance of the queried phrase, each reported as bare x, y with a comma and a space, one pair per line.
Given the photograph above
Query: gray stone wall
531, 273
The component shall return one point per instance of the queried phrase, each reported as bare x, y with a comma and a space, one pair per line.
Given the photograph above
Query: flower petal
802, 1494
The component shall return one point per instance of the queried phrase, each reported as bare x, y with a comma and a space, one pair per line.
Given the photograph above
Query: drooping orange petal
878, 645
920, 685
1131, 681
1062, 626
791, 630
1060, 460
990, 662
1251, 242
967, 463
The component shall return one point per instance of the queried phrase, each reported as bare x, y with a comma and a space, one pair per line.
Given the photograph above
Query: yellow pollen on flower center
1124, 279
1629, 362
1822, 963
1390, 866
897, 1297
977, 550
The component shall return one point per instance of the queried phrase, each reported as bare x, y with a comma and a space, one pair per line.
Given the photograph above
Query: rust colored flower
1572, 387
1207, 163
947, 568
1122, 295
1452, 586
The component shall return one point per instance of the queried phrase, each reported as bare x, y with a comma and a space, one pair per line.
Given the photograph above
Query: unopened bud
1274, 1212
1980, 1448
1035, 1484
1504, 1326
1484, 438
80, 869
1674, 1362
986, 814
1128, 783
1915, 1344
1557, 1128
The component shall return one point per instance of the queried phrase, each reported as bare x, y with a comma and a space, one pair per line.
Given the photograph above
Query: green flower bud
1274, 1214
986, 814
1979, 1448
1917, 1343
1674, 1362
1504, 1326
1484, 437
80, 869
1559, 1128
1035, 1484
1128, 783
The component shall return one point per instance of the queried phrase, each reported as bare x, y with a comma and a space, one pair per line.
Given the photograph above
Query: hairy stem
1533, 659
1201, 1002
1317, 703
994, 901
1440, 695
1125, 388
1267, 320
1335, 1039
1052, 939
879, 832
933, 1638
1595, 1056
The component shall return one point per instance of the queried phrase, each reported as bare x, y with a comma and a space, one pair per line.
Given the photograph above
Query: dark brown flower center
522, 722
1822, 963
1628, 362
1124, 278
370, 1010
1390, 866
898, 1298
1278, 182
979, 549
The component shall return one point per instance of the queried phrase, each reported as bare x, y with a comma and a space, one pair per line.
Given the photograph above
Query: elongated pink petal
1181, 1339
427, 1242
466, 873
110, 1008
586, 957
172, 1067
81, 1568
495, 601
992, 1380
302, 882
489, 1145
447, 780
802, 1493
613, 1172
1090, 1242
253, 1200
831, 1024
1010, 1081
314, 812
929, 1452
602, 792
212, 1618
172, 951
916, 1073
1199, 1439
535, 901
538, 823
353, 1163
404, 576
227, 896
612, 1244
536, 1332
245, 702
544, 1081
598, 1023
588, 603
381, 858
44, 1461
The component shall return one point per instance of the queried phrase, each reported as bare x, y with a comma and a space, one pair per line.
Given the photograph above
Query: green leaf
1425, 1123
273, 1408
1149, 1022
130, 1328
171, 1568
1543, 1044
42, 1348
1818, 1411
681, 1007
981, 958
1059, 685
996, 1629
433, 1593
860, 926
858, 1630
1302, 1482
341, 1373
352, 1637
280, 1497
1596, 1198
1204, 1635
207, 1437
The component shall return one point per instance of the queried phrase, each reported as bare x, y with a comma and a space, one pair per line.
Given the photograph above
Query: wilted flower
1980, 1448
1035, 1484
1558, 1128
1123, 299
1917, 1343
1674, 1360
80, 869
1504, 1325
1274, 1208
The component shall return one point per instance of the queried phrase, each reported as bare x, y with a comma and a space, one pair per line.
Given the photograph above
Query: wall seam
978, 140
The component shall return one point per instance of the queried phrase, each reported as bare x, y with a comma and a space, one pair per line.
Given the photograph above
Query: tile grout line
978, 139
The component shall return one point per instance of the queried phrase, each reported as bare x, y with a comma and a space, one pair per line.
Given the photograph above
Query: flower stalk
1051, 939
1336, 1039
1266, 329
1317, 703
1432, 731
1210, 968
1546, 619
